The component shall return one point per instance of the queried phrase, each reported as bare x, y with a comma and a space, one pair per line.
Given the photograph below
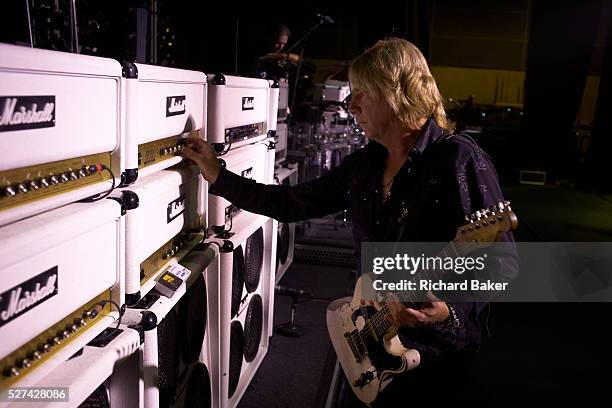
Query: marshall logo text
27, 295
175, 208
27, 112
175, 105
248, 103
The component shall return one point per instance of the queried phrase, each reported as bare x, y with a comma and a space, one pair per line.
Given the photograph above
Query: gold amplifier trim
27, 184
171, 249
163, 149
40, 348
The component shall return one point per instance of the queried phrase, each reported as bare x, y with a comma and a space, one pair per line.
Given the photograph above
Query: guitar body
364, 338
370, 372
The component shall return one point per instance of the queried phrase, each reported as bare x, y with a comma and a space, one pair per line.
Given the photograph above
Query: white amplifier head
59, 271
245, 304
166, 217
336, 91
108, 372
60, 113
163, 106
240, 110
251, 161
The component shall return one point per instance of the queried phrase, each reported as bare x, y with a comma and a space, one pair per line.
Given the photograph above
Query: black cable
223, 153
120, 309
92, 198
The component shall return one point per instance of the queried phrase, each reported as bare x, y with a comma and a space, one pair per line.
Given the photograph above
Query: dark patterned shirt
444, 178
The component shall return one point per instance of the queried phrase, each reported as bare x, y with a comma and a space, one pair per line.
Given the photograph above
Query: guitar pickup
365, 378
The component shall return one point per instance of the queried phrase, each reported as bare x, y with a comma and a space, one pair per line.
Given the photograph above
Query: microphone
283, 290
325, 19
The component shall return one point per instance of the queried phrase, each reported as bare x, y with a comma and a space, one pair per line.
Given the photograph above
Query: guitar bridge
357, 347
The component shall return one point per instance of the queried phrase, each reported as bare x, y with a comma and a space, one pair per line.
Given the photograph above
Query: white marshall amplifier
106, 373
281, 143
245, 303
240, 110
163, 107
166, 217
61, 129
250, 161
285, 241
60, 271
177, 331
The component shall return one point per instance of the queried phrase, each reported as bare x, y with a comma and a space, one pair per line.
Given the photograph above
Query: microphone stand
297, 74
290, 329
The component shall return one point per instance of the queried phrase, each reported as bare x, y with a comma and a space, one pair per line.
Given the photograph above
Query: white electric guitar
366, 342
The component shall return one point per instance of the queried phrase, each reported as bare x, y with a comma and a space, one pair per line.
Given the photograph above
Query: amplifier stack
122, 278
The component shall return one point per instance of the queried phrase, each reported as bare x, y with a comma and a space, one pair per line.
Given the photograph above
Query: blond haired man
414, 181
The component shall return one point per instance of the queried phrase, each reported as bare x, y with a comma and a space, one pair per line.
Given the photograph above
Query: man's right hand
204, 156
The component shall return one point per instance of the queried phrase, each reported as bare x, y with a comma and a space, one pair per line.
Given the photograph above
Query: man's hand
433, 311
204, 156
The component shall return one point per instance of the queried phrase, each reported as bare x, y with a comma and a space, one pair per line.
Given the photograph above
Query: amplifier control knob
79, 322
73, 175
34, 185
22, 188
55, 341
44, 182
11, 372
44, 348
82, 173
24, 363
63, 178
54, 180
35, 355
9, 191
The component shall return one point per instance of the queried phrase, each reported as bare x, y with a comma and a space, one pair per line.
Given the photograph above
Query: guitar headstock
485, 226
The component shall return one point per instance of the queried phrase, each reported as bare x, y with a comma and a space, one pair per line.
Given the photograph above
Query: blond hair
395, 70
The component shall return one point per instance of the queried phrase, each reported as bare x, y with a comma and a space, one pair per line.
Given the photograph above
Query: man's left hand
433, 311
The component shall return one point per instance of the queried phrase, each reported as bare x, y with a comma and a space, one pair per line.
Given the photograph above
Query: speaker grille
198, 388
238, 272
236, 353
192, 320
253, 324
97, 399
253, 254
168, 358
283, 243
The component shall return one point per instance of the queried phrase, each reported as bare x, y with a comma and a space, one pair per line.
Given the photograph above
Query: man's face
280, 43
374, 115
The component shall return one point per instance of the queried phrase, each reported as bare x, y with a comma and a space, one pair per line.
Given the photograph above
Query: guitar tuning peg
468, 219
478, 214
492, 208
501, 205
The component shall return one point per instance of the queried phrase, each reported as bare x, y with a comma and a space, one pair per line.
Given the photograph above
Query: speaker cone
168, 358
198, 388
192, 320
253, 325
236, 353
97, 399
254, 249
283, 243
238, 272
